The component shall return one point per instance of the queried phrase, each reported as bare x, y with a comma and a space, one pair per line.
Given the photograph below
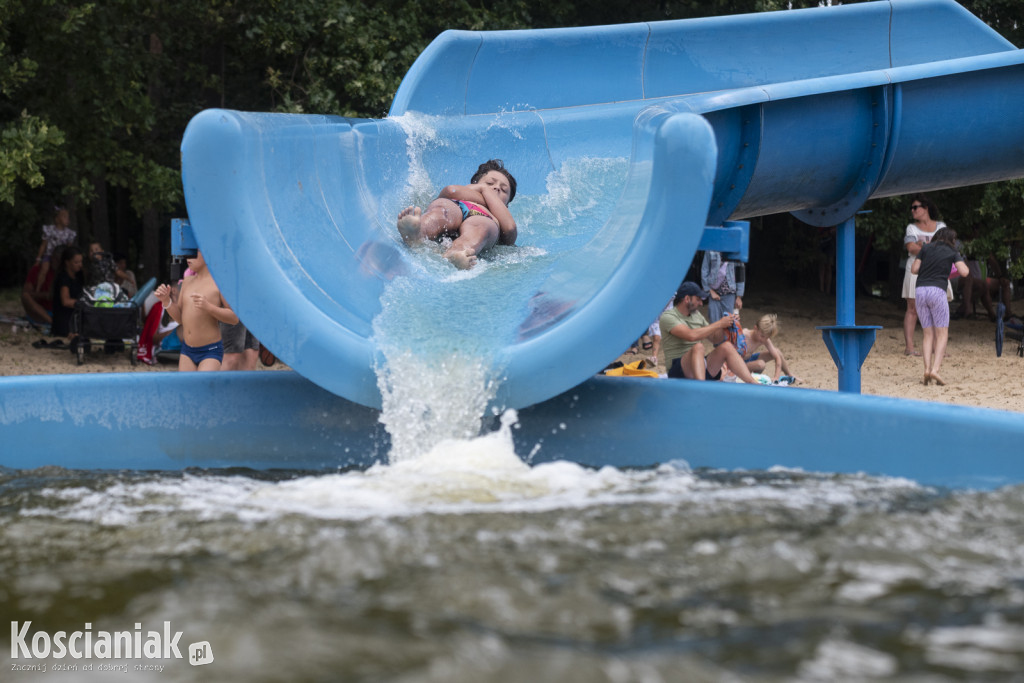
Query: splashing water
427, 403
440, 330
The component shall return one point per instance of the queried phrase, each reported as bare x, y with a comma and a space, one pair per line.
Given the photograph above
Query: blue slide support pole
848, 343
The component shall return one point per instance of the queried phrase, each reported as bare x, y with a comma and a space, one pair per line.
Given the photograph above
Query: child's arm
469, 193
173, 308
776, 355
42, 250
478, 194
506, 224
220, 313
780, 363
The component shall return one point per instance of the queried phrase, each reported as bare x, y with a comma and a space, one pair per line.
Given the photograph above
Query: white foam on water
456, 476
842, 660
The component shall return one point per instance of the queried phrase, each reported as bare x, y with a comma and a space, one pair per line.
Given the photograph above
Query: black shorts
675, 371
237, 339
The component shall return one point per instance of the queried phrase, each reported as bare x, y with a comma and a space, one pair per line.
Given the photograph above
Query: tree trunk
100, 213
149, 264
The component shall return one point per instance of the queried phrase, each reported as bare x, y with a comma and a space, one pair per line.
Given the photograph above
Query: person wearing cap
684, 330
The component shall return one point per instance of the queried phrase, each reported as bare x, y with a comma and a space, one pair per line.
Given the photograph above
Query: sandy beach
974, 375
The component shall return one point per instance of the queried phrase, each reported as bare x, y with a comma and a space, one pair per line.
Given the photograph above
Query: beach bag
635, 369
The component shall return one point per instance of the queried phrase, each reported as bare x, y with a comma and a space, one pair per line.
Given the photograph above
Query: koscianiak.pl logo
28, 647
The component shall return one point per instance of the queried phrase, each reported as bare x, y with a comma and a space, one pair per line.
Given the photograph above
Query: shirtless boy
474, 216
199, 309
761, 335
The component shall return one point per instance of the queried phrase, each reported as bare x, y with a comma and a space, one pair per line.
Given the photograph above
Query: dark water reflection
558, 573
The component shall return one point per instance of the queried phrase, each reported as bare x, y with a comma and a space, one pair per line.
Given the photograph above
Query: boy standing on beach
199, 309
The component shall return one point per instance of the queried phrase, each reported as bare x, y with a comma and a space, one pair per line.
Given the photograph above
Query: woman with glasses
924, 222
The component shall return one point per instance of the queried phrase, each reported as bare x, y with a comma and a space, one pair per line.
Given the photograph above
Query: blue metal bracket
732, 239
849, 346
183, 240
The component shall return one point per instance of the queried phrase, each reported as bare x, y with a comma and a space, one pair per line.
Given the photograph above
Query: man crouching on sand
684, 330
475, 216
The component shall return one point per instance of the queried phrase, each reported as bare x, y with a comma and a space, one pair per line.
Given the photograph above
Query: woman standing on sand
919, 232
933, 267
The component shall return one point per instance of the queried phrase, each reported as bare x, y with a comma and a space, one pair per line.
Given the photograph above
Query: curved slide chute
809, 111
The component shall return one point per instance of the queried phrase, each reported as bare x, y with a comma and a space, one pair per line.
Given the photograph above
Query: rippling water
467, 565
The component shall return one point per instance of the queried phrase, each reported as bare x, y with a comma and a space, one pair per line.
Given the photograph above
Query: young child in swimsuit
198, 308
474, 216
761, 335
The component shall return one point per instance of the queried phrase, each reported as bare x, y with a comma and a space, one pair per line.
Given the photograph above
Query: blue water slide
810, 111
807, 111
279, 420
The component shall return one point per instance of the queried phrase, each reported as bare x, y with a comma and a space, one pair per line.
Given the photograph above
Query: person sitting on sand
761, 335
199, 309
683, 330
474, 216
36, 301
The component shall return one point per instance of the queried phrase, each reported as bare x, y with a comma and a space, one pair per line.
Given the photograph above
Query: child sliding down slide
474, 216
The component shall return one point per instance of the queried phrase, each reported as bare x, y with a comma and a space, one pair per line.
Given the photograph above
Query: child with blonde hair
761, 335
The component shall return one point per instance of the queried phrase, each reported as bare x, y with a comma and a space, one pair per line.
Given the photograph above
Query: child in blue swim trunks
199, 309
474, 216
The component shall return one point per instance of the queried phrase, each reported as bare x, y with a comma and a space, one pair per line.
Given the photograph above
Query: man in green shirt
684, 330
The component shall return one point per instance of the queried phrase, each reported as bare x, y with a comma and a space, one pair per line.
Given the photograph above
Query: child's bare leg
756, 365
727, 355
441, 217
463, 260
409, 224
476, 234
941, 339
185, 364
929, 348
209, 365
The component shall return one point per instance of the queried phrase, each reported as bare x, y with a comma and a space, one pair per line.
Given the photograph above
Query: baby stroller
1012, 328
107, 315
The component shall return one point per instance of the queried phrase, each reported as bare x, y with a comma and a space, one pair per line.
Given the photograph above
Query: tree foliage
95, 96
